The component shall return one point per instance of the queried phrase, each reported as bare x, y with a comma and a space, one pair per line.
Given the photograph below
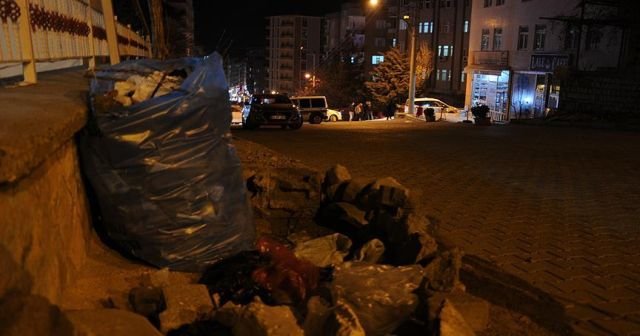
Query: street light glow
307, 75
373, 3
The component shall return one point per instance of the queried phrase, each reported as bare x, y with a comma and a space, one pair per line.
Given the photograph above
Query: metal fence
51, 30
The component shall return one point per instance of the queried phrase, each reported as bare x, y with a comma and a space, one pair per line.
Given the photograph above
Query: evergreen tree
390, 79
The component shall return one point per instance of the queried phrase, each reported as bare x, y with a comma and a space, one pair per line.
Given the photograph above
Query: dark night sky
245, 26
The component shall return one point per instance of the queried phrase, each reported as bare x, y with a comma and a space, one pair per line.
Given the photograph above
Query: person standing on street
391, 109
358, 111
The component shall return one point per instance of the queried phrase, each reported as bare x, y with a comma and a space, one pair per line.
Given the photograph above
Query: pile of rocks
383, 272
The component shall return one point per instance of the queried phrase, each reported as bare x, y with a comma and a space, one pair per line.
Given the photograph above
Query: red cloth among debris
296, 277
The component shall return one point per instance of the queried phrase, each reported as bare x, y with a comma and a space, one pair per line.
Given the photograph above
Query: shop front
520, 92
491, 88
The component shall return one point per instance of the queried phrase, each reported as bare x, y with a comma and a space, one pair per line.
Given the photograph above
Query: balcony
490, 58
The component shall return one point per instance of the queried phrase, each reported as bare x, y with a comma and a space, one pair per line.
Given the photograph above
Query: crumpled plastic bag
166, 177
382, 296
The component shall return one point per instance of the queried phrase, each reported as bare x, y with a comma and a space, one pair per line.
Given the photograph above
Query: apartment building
344, 33
381, 32
444, 26
294, 48
519, 50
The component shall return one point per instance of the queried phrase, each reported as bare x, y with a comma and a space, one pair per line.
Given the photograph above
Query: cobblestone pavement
556, 207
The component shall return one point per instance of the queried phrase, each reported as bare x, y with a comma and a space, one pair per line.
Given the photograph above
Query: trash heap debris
137, 89
158, 157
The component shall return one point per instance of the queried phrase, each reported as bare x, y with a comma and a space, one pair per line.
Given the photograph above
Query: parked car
236, 114
437, 105
313, 108
271, 109
333, 115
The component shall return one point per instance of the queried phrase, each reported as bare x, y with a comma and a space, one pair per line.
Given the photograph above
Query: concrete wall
44, 225
44, 219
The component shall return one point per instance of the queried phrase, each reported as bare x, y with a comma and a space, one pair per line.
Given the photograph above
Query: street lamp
412, 63
410, 20
312, 77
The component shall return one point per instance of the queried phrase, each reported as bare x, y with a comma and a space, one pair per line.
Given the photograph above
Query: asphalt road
557, 207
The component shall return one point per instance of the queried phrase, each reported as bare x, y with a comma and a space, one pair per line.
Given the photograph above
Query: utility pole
412, 63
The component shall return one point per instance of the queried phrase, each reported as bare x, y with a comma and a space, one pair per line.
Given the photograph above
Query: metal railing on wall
53, 30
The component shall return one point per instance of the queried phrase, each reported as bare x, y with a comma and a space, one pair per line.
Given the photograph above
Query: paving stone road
556, 207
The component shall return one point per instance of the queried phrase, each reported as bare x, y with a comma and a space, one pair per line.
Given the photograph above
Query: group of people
363, 111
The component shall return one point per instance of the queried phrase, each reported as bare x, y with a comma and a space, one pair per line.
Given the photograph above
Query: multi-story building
294, 48
256, 71
344, 33
236, 73
519, 48
444, 26
381, 32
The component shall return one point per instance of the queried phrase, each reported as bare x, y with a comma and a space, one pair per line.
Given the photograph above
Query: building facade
344, 33
381, 32
294, 49
520, 49
444, 27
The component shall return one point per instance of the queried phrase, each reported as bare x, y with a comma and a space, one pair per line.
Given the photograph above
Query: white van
312, 108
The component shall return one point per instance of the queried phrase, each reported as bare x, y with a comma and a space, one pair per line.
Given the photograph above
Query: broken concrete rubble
451, 323
257, 318
185, 304
110, 322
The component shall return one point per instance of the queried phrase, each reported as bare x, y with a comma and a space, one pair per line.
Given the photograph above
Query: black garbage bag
167, 179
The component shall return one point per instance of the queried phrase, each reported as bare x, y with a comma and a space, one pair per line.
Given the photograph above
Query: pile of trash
165, 178
137, 89
378, 273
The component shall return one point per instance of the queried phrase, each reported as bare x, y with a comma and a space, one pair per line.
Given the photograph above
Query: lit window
539, 37
443, 75
393, 42
497, 39
439, 50
377, 59
523, 37
466, 26
353, 59
463, 77
484, 42
403, 25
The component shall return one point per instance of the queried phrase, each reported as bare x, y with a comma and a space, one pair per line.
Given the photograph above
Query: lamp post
412, 63
410, 20
312, 77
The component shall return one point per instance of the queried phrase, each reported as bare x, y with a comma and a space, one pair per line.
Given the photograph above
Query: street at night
334, 167
557, 207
